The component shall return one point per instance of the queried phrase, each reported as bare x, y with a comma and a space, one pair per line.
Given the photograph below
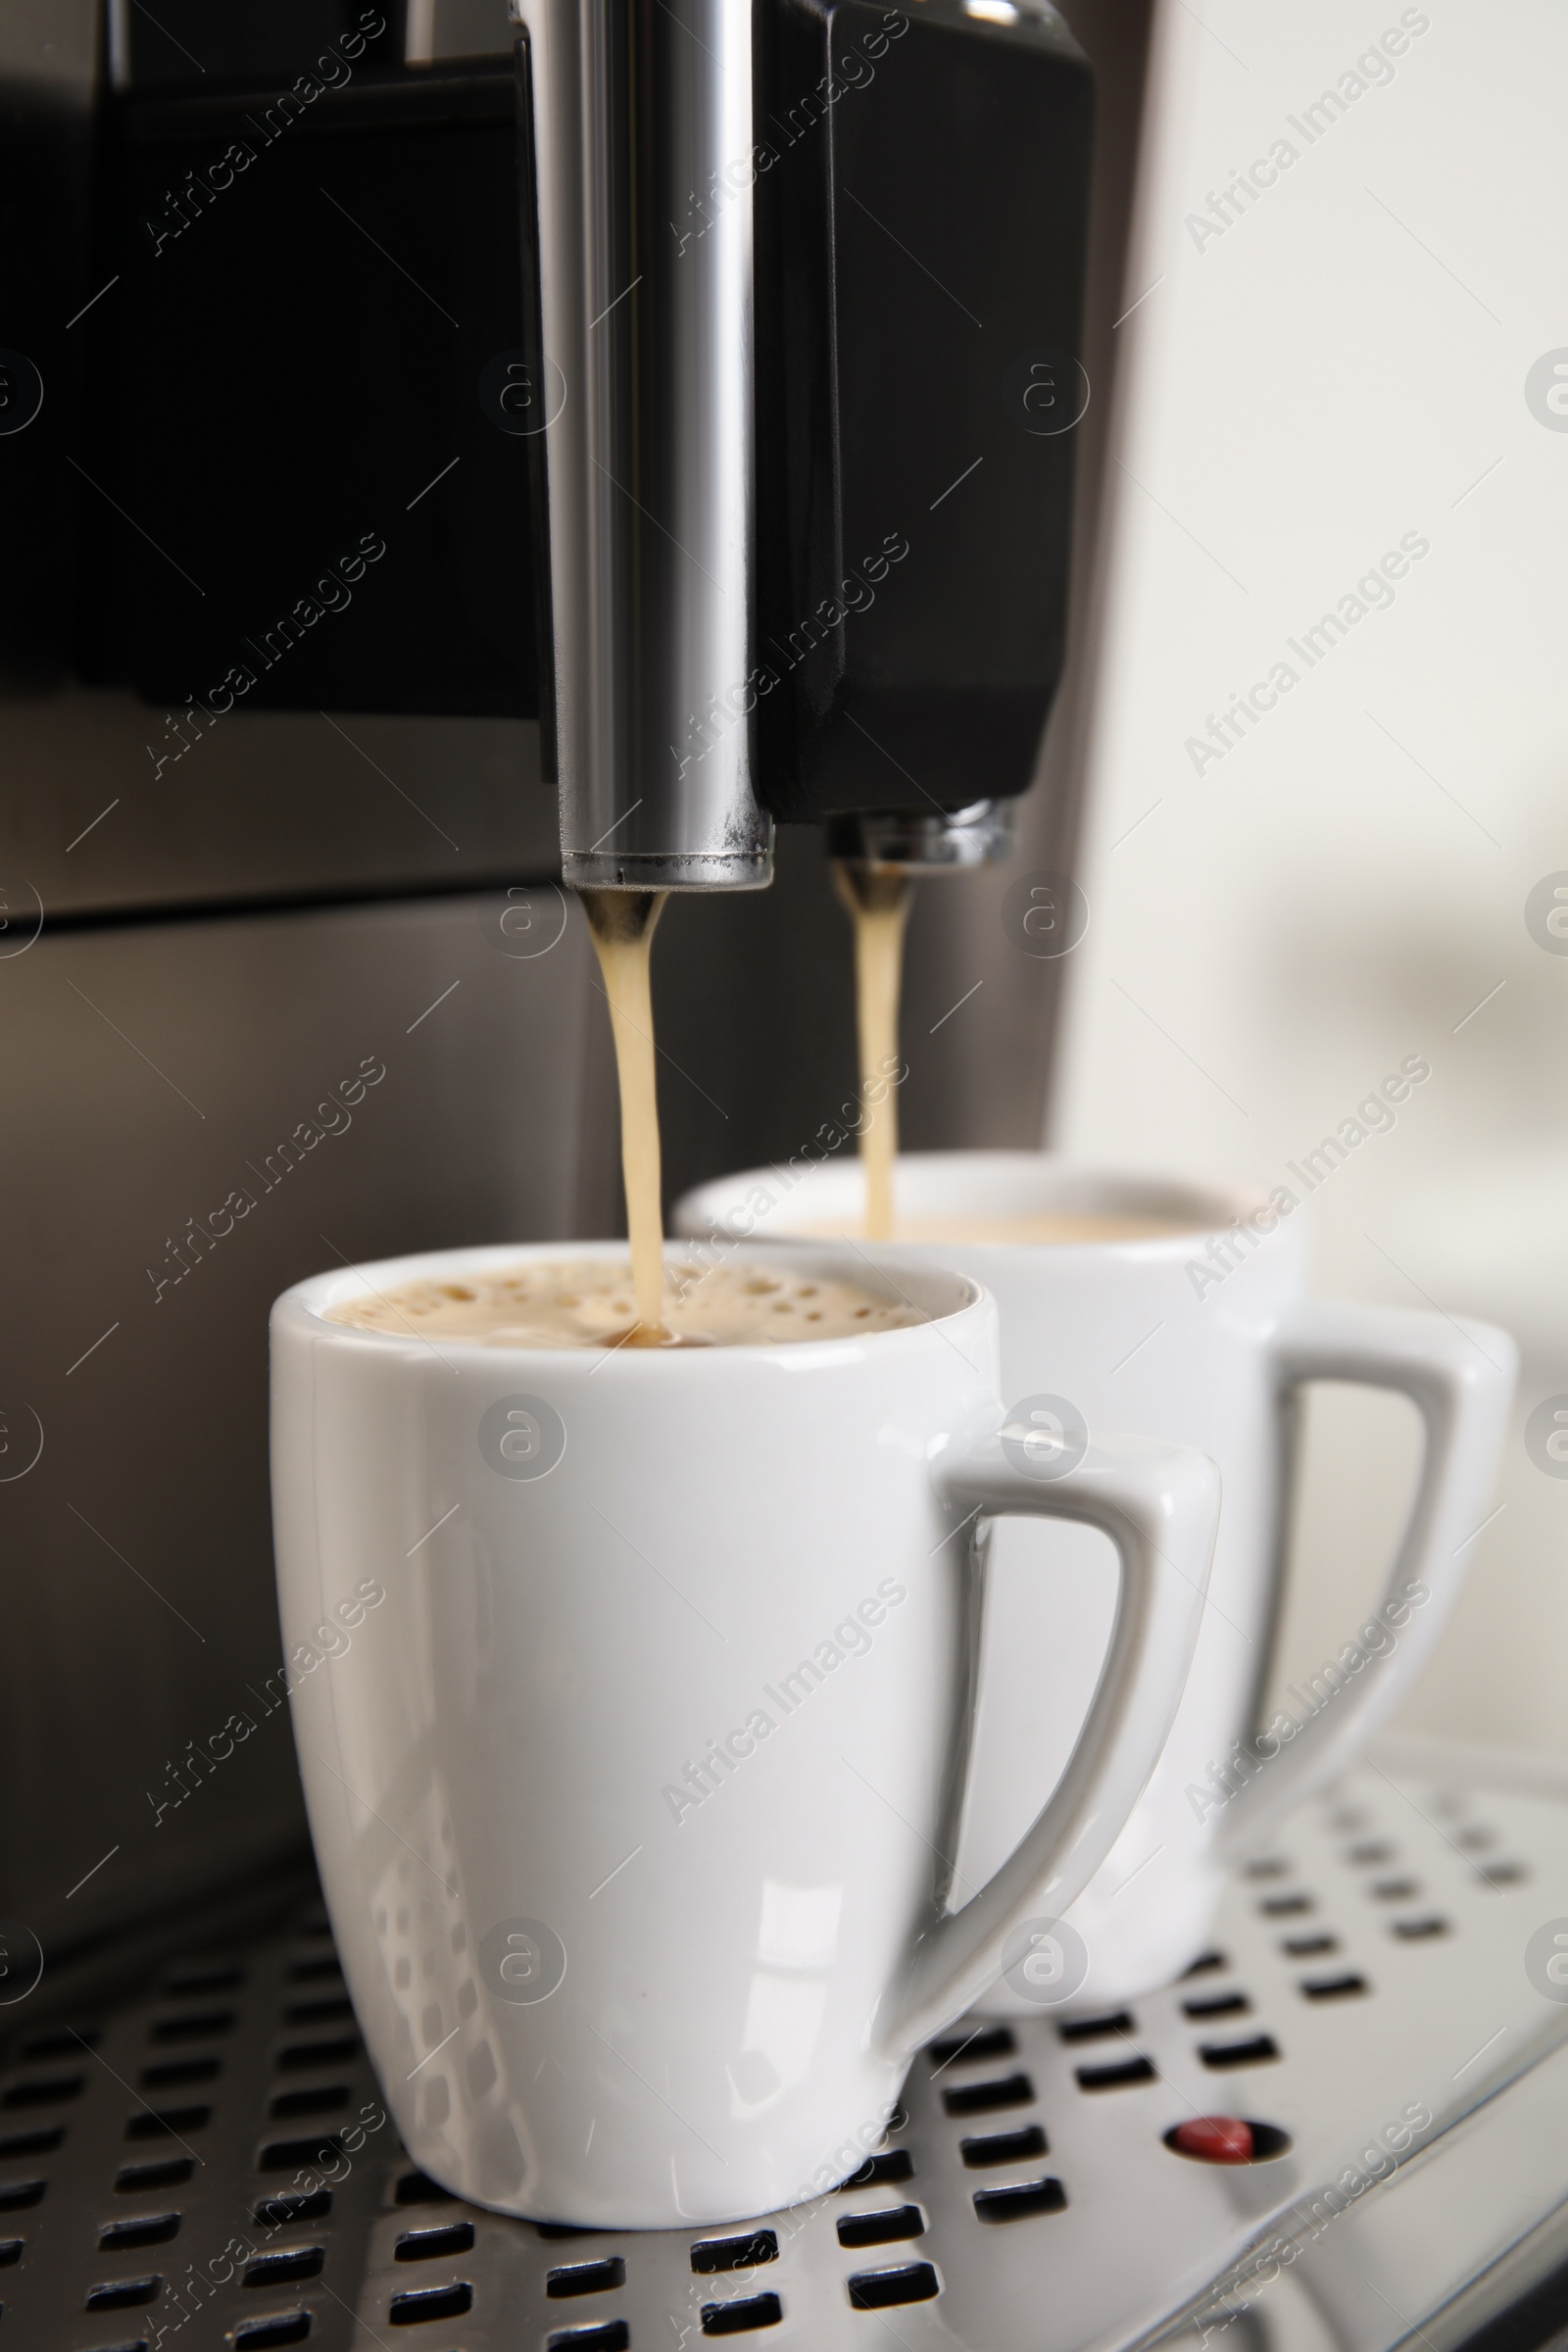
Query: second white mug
1200, 1327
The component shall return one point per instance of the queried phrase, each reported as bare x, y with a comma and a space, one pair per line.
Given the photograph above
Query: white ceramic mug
1203, 1336
628, 1796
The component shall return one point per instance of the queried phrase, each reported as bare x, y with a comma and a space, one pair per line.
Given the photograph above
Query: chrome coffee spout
642, 143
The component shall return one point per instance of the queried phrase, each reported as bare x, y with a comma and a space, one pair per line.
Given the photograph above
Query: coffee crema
1044, 1227
593, 1304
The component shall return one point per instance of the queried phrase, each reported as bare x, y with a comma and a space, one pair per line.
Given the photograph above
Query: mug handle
1461, 1377
1159, 1505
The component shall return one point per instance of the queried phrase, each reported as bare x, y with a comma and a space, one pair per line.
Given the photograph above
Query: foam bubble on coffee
593, 1304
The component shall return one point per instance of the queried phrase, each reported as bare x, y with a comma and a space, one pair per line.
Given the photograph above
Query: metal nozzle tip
942, 841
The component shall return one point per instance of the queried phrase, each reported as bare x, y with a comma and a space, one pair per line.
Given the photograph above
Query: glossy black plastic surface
921, 201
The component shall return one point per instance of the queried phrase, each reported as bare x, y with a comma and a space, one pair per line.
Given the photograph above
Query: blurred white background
1344, 365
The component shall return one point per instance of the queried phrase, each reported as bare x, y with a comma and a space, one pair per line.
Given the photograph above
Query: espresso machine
642, 447
468, 464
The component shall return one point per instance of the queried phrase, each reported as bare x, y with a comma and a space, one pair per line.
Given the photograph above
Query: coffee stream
623, 923
878, 899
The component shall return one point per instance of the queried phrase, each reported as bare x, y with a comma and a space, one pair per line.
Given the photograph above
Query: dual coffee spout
807, 316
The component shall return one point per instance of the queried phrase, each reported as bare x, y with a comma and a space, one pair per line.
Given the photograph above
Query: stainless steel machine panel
110, 803
198, 1115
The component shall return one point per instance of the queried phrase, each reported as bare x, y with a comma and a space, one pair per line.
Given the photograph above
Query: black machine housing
310, 306
921, 214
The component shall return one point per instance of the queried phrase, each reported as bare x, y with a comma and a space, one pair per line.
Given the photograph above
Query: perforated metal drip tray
213, 2166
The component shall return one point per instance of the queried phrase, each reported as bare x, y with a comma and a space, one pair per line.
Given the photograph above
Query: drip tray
213, 2166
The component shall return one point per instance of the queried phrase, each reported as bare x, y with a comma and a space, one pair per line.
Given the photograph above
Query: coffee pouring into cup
807, 538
